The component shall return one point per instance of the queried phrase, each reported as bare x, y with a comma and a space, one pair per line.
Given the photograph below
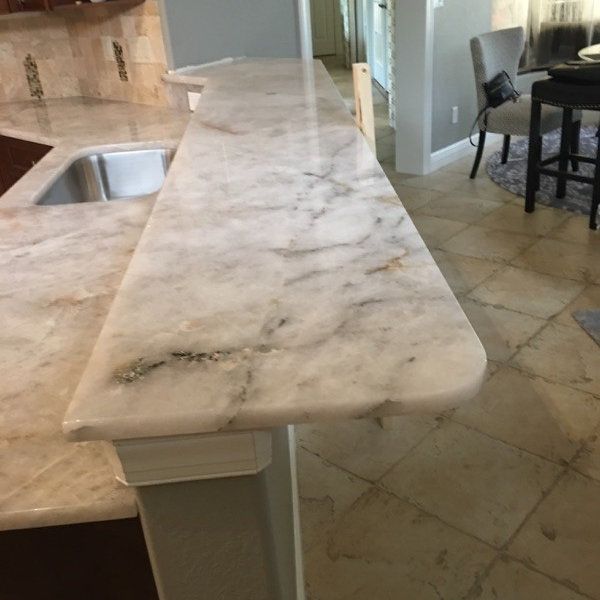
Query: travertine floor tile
459, 207
512, 217
386, 147
326, 492
491, 244
528, 292
480, 485
462, 166
588, 299
576, 229
563, 259
562, 536
413, 198
484, 187
463, 273
544, 418
502, 332
563, 354
360, 542
363, 447
510, 580
436, 231
588, 461
385, 549
389, 168
442, 181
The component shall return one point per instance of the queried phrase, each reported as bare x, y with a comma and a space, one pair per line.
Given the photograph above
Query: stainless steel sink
107, 176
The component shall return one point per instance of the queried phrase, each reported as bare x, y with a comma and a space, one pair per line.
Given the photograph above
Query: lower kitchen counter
60, 267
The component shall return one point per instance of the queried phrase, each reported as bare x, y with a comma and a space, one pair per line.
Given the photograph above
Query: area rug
513, 175
590, 322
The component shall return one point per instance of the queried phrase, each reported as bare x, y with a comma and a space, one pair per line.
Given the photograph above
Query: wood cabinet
16, 158
16, 6
28, 5
104, 560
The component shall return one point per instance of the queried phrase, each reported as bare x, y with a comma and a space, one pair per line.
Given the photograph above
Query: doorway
327, 29
349, 31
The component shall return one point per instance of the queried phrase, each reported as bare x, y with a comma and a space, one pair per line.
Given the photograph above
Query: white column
414, 79
219, 513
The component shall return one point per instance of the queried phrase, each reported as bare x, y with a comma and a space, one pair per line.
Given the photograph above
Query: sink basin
107, 176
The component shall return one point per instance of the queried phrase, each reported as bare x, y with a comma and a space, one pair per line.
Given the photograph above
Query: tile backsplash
45, 39
102, 51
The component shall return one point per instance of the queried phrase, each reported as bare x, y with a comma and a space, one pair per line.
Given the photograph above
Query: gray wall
453, 85
200, 31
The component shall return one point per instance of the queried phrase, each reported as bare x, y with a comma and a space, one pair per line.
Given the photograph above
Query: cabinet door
17, 157
4, 7
27, 5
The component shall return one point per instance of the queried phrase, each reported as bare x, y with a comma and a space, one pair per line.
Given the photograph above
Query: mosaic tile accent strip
119, 58
33, 77
75, 55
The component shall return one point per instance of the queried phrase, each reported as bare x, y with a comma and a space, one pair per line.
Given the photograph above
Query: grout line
436, 427
547, 379
559, 462
565, 471
475, 590
520, 346
332, 464
544, 495
431, 515
586, 287
562, 279
500, 551
563, 583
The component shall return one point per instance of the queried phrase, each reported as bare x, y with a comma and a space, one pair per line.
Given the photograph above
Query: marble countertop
279, 279
59, 269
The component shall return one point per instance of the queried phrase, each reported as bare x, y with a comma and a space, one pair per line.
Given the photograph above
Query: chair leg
575, 137
540, 149
505, 149
596, 193
479, 154
565, 149
535, 150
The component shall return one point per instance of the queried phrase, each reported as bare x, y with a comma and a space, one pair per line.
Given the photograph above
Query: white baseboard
445, 156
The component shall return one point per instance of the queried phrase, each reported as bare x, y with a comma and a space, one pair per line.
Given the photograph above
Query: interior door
322, 16
377, 41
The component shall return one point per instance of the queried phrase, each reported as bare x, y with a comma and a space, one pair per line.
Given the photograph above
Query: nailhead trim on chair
573, 106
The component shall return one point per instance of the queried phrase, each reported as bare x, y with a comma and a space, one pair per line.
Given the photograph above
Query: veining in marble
59, 269
279, 280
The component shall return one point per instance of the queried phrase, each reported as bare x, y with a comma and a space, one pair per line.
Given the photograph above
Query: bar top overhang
278, 280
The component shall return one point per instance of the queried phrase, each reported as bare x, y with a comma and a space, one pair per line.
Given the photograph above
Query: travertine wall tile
110, 52
45, 39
